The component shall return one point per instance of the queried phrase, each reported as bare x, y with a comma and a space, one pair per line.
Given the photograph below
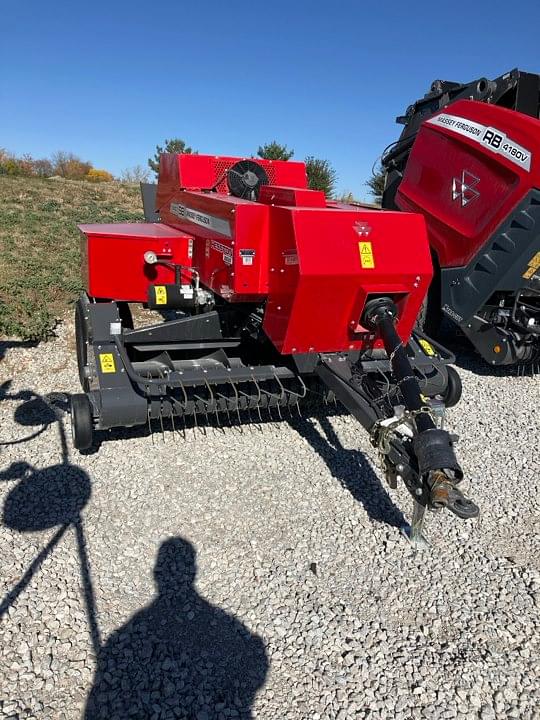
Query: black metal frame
180, 368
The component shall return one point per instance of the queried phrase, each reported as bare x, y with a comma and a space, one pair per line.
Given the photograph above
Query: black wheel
82, 423
82, 340
454, 389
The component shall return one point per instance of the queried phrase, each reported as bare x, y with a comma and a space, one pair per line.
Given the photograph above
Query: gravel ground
261, 573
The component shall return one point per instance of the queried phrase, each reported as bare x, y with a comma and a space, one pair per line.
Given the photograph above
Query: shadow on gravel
6, 345
352, 470
46, 498
180, 657
35, 411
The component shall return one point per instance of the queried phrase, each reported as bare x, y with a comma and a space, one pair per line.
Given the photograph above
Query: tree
175, 146
376, 183
135, 174
347, 197
95, 175
321, 175
43, 167
274, 151
68, 165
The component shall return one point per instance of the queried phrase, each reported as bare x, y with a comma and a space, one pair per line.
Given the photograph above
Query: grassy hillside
39, 245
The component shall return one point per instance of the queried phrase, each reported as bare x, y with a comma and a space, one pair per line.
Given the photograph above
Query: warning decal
534, 265
106, 360
366, 255
427, 347
247, 256
161, 294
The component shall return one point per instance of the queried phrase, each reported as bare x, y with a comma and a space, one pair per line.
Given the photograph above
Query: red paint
291, 196
202, 172
439, 155
317, 303
114, 266
290, 249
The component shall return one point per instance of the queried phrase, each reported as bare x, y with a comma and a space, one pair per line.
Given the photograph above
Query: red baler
270, 294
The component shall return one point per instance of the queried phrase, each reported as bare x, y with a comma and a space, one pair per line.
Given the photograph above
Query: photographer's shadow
180, 656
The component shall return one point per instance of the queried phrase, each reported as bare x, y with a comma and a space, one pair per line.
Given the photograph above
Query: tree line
65, 165
320, 172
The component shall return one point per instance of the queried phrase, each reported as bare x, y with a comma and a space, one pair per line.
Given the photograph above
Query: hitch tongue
445, 493
438, 471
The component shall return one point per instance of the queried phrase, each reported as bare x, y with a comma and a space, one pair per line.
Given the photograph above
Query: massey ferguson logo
362, 228
465, 189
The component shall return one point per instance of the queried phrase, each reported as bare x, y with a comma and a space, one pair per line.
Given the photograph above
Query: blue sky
109, 80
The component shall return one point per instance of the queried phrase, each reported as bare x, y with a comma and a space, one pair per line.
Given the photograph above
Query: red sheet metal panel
114, 266
469, 167
290, 196
325, 263
202, 172
230, 248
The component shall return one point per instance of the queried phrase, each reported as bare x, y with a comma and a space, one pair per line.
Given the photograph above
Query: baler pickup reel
272, 299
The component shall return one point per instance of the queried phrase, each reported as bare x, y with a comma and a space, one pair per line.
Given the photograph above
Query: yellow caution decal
366, 255
106, 360
534, 265
161, 294
427, 347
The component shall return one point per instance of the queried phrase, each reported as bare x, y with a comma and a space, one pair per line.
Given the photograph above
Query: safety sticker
366, 255
496, 140
161, 294
427, 347
106, 360
247, 256
290, 257
534, 265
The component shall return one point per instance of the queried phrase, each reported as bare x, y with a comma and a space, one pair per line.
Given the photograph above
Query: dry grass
39, 245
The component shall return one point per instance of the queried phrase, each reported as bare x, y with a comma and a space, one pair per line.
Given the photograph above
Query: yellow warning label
427, 347
161, 295
366, 255
534, 265
106, 360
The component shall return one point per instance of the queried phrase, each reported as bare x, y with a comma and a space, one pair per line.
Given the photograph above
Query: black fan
244, 179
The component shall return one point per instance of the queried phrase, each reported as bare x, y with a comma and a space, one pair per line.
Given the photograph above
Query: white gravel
261, 573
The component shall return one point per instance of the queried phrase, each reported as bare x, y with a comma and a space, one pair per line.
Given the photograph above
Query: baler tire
454, 388
82, 423
81, 343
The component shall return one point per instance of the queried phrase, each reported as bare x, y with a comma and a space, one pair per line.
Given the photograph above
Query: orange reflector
497, 349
